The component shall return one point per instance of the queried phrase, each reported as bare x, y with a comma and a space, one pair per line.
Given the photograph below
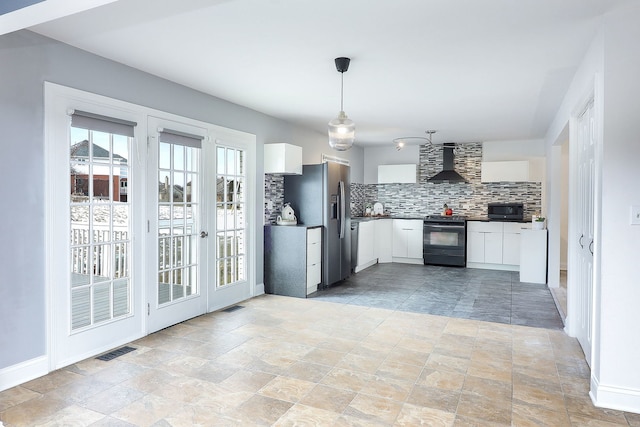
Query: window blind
180, 138
97, 122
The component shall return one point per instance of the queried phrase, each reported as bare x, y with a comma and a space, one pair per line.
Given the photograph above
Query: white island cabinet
533, 256
407, 241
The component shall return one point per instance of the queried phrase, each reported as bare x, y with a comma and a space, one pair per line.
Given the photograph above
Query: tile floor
305, 362
490, 295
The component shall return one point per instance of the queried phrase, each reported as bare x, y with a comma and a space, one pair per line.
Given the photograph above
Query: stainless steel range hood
448, 173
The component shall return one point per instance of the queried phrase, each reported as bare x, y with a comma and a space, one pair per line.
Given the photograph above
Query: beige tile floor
295, 362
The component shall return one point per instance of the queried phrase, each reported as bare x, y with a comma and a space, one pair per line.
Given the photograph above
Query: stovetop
448, 218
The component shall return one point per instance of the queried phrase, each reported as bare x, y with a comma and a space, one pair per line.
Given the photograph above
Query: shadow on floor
489, 295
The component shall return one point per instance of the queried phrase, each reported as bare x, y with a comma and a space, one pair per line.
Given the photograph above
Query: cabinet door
475, 246
400, 238
493, 248
366, 242
314, 245
383, 232
511, 248
414, 239
314, 276
314, 259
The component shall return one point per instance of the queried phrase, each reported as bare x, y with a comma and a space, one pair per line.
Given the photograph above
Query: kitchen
604, 64
387, 205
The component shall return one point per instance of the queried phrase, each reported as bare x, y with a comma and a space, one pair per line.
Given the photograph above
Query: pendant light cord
341, 90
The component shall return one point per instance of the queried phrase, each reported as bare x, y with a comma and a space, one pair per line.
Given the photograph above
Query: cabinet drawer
514, 227
314, 252
485, 227
314, 235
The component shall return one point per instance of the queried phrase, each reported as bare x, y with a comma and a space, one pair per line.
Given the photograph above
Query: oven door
444, 243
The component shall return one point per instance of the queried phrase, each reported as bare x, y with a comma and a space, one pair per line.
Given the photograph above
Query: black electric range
444, 240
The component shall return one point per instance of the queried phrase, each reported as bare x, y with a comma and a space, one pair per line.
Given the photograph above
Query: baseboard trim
418, 261
17, 374
618, 398
259, 289
501, 267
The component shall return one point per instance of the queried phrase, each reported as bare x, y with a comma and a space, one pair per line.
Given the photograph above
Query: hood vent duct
448, 173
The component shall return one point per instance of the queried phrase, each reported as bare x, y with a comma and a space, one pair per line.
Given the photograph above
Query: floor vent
232, 308
115, 353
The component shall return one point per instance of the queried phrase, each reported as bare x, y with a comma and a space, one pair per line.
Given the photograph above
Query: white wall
610, 71
496, 151
28, 60
619, 341
387, 155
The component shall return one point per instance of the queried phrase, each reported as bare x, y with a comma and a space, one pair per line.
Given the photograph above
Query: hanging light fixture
342, 130
400, 143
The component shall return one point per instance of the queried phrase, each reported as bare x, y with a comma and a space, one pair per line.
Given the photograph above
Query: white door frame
573, 309
58, 100
247, 142
180, 310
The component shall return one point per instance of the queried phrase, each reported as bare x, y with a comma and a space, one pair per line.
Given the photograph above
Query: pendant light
342, 130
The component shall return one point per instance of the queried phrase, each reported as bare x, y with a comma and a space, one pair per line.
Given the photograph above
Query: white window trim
58, 101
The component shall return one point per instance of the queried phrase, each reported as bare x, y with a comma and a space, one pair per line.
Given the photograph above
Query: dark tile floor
489, 295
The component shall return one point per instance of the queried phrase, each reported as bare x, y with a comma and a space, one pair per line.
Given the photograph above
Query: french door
585, 247
229, 250
147, 221
93, 191
178, 223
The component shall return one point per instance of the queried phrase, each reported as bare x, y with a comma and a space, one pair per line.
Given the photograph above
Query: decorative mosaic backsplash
274, 192
424, 198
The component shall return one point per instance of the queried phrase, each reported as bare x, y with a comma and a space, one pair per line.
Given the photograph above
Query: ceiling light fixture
400, 143
342, 130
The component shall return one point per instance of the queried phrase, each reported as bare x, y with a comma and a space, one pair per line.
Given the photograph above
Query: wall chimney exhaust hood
448, 173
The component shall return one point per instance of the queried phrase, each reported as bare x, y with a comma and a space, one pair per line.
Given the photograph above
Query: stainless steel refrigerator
320, 196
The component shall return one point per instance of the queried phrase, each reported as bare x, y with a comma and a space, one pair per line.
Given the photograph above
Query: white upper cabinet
392, 174
508, 171
283, 158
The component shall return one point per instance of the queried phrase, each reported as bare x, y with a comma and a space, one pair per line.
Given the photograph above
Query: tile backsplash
423, 198
274, 193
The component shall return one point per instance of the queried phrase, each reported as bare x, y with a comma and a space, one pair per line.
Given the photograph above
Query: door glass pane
177, 222
100, 227
230, 221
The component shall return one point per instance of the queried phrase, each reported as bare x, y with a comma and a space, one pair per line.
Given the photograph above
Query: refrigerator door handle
341, 205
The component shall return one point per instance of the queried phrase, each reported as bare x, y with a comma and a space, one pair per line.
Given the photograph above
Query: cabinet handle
591, 247
580, 241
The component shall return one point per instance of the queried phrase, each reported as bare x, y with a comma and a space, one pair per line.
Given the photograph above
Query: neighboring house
101, 183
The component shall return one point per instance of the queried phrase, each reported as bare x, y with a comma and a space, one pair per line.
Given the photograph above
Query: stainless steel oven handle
459, 227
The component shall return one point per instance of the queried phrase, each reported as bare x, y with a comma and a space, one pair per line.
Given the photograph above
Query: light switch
635, 215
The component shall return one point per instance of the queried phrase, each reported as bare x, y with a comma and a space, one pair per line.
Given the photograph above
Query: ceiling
474, 70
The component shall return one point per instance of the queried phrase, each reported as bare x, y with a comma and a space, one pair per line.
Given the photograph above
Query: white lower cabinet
366, 245
383, 232
407, 241
511, 243
533, 267
494, 245
314, 259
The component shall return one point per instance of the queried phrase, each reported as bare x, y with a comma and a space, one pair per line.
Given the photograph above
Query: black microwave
508, 211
